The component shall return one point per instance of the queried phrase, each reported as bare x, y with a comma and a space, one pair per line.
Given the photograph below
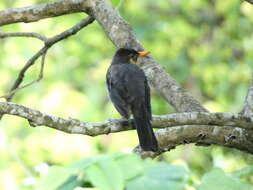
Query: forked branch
48, 42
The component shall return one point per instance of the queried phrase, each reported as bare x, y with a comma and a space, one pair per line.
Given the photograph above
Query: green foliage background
206, 45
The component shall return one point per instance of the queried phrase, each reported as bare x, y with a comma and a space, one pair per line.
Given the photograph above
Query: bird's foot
145, 154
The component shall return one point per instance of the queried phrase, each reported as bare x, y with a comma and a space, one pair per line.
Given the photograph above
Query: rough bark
169, 137
121, 35
42, 11
202, 135
37, 118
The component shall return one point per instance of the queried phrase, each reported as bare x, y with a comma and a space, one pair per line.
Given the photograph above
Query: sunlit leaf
106, 175
165, 171
84, 163
246, 171
130, 165
70, 183
217, 179
160, 176
56, 176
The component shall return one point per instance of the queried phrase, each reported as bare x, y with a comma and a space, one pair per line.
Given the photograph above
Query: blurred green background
206, 45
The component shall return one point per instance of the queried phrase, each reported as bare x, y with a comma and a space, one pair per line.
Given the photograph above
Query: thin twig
21, 75
37, 12
24, 34
72, 31
42, 66
49, 42
248, 106
30, 83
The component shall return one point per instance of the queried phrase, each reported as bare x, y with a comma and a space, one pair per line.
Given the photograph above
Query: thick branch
116, 125
229, 137
203, 118
121, 35
41, 11
168, 138
37, 118
201, 135
248, 107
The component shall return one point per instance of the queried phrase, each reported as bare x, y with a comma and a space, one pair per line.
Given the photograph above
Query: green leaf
56, 176
160, 176
84, 163
70, 183
80, 165
246, 171
217, 179
131, 165
106, 175
148, 183
165, 171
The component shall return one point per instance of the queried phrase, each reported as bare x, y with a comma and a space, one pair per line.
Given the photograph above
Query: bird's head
124, 55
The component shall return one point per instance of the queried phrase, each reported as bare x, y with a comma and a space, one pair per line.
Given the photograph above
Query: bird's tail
145, 132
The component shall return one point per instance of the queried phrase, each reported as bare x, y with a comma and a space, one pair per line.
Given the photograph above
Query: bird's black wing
116, 93
139, 101
147, 99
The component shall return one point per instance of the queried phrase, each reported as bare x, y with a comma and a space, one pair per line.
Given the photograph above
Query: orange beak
143, 53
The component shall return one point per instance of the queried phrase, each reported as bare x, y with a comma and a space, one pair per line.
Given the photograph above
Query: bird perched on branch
129, 92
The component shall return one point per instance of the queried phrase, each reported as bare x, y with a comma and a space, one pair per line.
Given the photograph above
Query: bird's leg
111, 121
125, 121
128, 122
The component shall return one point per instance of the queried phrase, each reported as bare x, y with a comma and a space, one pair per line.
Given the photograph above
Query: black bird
129, 92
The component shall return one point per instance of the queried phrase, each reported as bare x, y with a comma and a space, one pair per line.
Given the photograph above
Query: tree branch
9, 95
21, 75
117, 125
42, 11
24, 34
201, 135
203, 118
248, 106
49, 42
121, 35
169, 137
